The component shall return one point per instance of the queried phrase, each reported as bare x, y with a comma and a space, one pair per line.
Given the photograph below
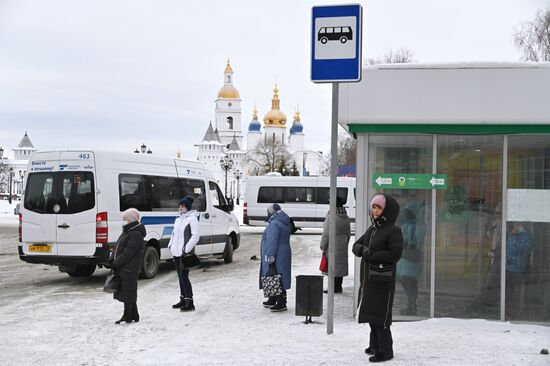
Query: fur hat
131, 215
379, 200
187, 202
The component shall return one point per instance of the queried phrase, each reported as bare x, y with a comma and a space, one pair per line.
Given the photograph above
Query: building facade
18, 163
465, 149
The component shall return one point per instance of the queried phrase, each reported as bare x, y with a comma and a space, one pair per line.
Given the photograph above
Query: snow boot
127, 316
180, 304
381, 357
135, 314
271, 301
189, 306
280, 305
370, 351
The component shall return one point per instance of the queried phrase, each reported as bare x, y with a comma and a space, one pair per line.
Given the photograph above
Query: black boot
370, 351
135, 314
280, 305
180, 304
127, 316
381, 357
271, 301
189, 305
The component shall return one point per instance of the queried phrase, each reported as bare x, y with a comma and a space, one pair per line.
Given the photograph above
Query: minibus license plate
42, 248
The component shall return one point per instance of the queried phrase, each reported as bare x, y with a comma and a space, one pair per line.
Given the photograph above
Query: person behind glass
342, 240
409, 266
275, 251
382, 243
185, 236
126, 260
519, 244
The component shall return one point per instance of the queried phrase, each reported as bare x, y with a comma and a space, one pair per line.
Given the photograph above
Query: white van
304, 199
71, 213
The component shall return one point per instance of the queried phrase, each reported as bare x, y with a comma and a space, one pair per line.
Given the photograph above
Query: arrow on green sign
409, 181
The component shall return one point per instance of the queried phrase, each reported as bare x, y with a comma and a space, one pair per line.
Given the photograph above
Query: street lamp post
238, 176
10, 183
226, 163
21, 176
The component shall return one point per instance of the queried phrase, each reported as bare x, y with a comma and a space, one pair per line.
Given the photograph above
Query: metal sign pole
332, 209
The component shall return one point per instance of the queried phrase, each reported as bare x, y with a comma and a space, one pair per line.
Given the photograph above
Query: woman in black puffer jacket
126, 260
381, 245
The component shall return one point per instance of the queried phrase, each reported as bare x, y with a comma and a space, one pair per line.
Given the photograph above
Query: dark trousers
338, 284
380, 339
410, 285
183, 274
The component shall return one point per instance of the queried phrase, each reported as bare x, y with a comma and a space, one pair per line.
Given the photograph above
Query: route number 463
84, 156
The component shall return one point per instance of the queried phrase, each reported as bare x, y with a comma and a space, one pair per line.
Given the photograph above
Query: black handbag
272, 283
190, 260
380, 272
112, 283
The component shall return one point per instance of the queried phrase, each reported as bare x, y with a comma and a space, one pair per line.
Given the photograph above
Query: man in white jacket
182, 245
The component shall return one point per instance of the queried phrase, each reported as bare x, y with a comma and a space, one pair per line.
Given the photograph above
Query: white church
225, 138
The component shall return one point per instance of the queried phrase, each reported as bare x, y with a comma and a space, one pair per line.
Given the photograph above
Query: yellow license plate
41, 248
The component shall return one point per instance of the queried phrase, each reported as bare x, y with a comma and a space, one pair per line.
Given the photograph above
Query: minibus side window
323, 195
218, 200
300, 195
165, 193
271, 195
194, 188
133, 192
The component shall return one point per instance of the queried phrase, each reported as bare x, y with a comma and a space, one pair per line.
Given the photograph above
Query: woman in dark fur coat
126, 261
380, 246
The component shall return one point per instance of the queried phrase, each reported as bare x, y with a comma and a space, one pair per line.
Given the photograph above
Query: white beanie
131, 215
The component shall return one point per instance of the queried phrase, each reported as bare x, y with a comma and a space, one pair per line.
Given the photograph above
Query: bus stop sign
336, 43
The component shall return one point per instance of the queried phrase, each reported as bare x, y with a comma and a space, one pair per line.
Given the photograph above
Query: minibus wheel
150, 265
228, 251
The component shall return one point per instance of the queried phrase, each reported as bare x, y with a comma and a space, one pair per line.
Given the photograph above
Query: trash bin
309, 296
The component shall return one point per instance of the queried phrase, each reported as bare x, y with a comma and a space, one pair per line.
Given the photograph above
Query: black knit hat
187, 202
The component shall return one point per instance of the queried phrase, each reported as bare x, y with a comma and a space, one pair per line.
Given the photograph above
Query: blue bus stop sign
336, 43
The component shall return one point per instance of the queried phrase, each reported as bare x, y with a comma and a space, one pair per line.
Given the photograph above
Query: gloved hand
270, 259
366, 253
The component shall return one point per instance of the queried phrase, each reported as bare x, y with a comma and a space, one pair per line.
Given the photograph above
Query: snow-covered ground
6, 212
52, 319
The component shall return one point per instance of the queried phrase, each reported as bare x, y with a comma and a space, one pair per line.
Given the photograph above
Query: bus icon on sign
342, 34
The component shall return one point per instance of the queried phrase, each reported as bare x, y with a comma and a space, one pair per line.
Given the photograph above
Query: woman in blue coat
275, 250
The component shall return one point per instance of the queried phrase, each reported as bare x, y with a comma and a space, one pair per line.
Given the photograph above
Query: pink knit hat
379, 200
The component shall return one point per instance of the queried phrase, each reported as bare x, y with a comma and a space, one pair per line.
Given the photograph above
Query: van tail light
20, 228
101, 228
245, 209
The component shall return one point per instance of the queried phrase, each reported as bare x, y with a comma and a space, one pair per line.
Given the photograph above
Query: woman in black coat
381, 247
126, 260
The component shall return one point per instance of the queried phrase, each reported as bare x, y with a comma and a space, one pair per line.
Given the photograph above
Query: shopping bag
323, 266
272, 283
112, 283
380, 272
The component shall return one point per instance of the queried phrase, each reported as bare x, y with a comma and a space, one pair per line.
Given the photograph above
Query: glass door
469, 212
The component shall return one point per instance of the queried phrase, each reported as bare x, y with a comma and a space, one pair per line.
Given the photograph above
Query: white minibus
71, 212
304, 199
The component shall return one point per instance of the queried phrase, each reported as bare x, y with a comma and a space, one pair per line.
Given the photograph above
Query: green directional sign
409, 181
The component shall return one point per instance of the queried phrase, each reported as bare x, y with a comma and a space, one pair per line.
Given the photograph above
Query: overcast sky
114, 74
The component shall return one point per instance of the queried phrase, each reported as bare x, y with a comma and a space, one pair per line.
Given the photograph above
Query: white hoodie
177, 240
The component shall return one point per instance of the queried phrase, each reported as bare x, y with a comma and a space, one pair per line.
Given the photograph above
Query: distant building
225, 137
21, 155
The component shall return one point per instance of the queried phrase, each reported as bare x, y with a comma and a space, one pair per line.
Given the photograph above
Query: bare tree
269, 156
532, 39
400, 56
347, 148
4, 174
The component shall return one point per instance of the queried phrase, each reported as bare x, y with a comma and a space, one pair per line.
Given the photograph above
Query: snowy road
48, 318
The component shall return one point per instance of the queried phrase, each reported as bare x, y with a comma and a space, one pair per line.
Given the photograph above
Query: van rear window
60, 192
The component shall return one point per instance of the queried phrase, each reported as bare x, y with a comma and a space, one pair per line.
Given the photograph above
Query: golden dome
275, 117
228, 91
